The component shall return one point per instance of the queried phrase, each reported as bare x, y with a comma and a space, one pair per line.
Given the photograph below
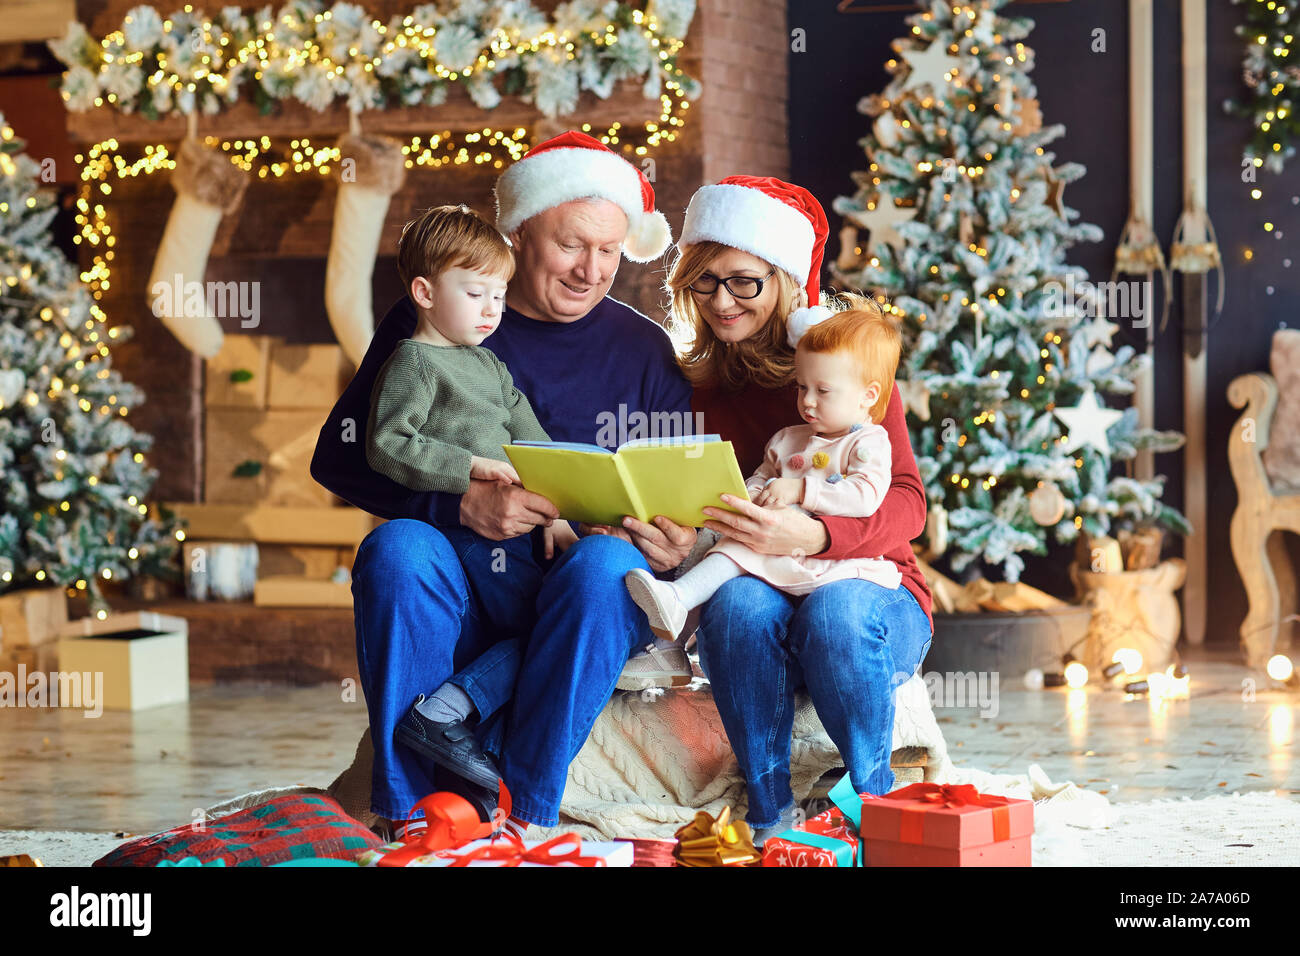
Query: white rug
1250, 829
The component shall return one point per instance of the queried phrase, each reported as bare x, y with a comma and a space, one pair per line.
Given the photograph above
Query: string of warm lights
105, 162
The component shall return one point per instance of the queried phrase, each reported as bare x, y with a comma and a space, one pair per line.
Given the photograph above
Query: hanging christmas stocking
208, 186
371, 169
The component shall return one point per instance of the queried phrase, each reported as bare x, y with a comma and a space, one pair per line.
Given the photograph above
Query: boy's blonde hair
764, 359
872, 340
450, 237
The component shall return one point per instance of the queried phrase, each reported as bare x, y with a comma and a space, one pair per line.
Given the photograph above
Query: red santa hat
572, 166
779, 222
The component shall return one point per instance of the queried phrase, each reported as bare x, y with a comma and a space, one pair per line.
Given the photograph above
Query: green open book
673, 477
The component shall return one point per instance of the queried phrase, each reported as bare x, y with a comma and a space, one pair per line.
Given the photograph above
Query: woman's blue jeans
850, 643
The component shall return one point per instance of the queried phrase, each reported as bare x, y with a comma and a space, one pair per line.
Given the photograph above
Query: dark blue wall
1088, 92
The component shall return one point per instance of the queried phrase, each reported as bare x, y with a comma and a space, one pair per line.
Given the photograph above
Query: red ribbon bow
511, 852
944, 794
450, 821
932, 795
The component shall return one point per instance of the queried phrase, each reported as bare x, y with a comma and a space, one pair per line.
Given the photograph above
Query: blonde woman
744, 288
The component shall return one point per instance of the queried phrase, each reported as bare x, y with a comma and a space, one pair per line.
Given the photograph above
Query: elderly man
570, 207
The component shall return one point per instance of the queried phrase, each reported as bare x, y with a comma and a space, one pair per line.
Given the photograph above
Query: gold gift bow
709, 842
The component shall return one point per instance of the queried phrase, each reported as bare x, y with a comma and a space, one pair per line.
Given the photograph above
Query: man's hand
498, 511
490, 469
779, 531
558, 537
781, 492
664, 544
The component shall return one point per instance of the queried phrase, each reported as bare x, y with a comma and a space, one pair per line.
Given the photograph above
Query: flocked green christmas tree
1007, 361
73, 473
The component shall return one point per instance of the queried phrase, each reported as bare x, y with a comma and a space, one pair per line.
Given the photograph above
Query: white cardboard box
143, 655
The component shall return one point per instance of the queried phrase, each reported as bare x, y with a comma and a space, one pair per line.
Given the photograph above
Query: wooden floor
156, 769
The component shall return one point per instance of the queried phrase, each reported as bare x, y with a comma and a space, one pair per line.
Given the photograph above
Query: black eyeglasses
740, 287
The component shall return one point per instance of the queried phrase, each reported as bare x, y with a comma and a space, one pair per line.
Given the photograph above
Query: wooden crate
31, 617
293, 591
307, 376
279, 442
27, 20
29, 660
241, 355
344, 527
304, 561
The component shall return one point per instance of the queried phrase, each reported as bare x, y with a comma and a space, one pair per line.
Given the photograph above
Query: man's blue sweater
588, 381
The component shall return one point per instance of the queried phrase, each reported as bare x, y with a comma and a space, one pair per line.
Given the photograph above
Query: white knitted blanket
652, 761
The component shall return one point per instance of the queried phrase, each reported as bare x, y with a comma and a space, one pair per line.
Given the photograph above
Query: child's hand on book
489, 469
780, 492
558, 535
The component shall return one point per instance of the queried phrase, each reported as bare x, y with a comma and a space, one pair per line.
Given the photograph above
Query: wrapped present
709, 842
450, 822
655, 853
828, 839
929, 824
506, 849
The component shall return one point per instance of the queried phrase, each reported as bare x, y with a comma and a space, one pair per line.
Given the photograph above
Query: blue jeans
850, 643
587, 627
429, 608
431, 605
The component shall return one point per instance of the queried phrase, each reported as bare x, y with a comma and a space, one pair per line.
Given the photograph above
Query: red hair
868, 337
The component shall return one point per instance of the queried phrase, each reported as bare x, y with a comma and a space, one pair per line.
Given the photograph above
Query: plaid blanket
285, 828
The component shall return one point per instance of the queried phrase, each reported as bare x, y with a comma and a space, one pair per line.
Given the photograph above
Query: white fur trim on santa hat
537, 183
754, 222
801, 320
648, 235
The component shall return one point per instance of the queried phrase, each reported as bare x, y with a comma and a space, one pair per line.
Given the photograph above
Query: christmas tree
73, 477
1008, 349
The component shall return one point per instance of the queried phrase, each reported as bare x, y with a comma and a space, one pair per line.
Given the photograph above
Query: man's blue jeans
587, 627
850, 643
430, 607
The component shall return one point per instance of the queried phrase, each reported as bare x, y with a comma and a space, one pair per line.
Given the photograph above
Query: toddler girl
838, 463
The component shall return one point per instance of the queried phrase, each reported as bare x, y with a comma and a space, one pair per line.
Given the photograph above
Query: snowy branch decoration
319, 55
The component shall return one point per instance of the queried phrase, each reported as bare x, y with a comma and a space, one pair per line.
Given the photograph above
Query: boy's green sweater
433, 406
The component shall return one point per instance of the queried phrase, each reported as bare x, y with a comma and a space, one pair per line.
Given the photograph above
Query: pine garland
1270, 72
318, 55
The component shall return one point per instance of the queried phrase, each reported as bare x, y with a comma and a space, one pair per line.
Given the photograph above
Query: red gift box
929, 824
779, 851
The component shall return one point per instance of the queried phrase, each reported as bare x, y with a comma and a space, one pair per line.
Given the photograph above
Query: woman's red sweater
750, 417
